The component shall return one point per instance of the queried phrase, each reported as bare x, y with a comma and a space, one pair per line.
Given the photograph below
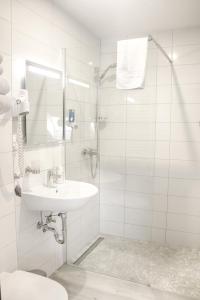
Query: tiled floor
147, 263
86, 285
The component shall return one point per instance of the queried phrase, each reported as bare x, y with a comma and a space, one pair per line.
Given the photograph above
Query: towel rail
150, 38
160, 48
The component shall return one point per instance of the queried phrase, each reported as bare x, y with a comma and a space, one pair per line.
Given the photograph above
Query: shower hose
93, 164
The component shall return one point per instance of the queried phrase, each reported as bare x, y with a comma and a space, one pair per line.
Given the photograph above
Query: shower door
81, 157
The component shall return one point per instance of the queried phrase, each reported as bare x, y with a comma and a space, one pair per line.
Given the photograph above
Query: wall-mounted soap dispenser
72, 118
70, 124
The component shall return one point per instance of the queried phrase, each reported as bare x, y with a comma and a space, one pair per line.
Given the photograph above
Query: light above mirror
80, 83
44, 72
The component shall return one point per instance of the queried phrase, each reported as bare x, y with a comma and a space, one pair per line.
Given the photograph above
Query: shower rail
160, 48
150, 38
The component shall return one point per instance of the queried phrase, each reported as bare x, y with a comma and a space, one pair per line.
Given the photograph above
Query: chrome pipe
60, 239
160, 48
112, 66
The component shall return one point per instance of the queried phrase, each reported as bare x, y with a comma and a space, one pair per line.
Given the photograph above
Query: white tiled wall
150, 148
37, 31
8, 245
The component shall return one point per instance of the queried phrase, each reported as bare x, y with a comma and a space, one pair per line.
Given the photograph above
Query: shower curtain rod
150, 38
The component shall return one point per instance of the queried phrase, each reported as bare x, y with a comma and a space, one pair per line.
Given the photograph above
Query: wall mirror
44, 123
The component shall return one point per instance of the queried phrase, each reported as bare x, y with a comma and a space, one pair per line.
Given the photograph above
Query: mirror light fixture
44, 72
78, 82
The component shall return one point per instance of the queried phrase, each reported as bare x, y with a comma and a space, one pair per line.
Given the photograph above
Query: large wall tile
184, 205
178, 222
185, 151
188, 36
8, 258
140, 149
137, 232
114, 228
139, 166
184, 187
5, 36
186, 74
140, 131
185, 132
189, 54
112, 213
182, 239
186, 93
140, 113
7, 230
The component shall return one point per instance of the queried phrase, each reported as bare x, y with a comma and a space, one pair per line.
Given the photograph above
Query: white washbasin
65, 197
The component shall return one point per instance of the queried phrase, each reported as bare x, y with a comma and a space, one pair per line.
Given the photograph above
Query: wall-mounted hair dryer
21, 104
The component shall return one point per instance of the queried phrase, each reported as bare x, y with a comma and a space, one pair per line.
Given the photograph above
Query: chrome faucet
51, 182
54, 176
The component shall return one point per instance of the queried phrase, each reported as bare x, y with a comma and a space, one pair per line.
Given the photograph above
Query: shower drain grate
88, 251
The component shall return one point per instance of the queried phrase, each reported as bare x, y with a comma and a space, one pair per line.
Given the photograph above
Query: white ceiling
122, 18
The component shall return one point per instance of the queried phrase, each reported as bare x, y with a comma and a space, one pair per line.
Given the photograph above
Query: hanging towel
131, 63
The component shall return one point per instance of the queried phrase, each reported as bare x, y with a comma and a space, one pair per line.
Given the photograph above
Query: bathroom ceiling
121, 18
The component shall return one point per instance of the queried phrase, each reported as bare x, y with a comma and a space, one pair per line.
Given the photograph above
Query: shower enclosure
130, 144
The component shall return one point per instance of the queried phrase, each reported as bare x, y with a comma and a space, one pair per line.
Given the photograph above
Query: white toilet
21, 285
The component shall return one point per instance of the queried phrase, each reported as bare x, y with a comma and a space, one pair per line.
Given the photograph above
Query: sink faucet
54, 176
51, 182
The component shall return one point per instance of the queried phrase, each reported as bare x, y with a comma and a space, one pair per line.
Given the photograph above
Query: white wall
37, 31
150, 151
8, 250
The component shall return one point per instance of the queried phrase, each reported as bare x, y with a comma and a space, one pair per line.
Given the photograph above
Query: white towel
22, 285
131, 63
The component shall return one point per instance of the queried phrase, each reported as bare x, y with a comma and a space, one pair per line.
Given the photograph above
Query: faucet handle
50, 219
29, 170
50, 178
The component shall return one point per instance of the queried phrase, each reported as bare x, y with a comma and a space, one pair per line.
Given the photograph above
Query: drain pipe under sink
45, 226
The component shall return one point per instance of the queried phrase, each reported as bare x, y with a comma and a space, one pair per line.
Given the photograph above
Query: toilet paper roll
1, 70
5, 104
4, 86
1, 58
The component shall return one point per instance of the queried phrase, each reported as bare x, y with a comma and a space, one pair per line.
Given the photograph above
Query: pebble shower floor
161, 267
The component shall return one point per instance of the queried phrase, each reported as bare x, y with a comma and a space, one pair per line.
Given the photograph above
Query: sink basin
65, 197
